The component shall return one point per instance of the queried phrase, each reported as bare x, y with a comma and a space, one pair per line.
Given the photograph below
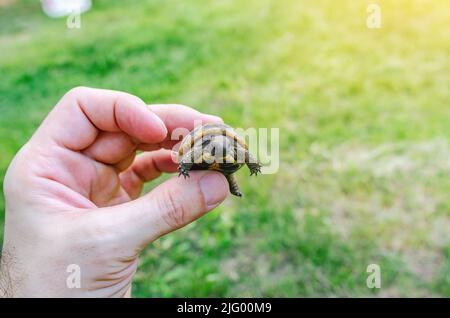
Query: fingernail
212, 187
160, 123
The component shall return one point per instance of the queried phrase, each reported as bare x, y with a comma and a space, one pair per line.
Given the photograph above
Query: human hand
72, 194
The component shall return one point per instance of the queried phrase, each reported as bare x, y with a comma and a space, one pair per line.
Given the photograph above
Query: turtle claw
183, 172
255, 169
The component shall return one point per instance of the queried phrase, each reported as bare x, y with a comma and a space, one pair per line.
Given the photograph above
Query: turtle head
219, 149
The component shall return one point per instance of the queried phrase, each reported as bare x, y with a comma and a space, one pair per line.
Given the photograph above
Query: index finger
179, 118
79, 116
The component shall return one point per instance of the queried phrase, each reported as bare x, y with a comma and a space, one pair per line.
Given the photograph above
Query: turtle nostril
213, 151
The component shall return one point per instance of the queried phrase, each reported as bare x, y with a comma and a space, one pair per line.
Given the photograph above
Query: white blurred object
61, 8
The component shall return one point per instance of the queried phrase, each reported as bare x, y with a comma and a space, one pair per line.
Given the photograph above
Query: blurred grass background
364, 120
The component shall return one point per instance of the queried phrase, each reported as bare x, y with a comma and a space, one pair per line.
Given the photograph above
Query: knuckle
173, 211
72, 95
76, 91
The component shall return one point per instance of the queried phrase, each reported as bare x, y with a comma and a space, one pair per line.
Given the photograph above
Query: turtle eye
205, 141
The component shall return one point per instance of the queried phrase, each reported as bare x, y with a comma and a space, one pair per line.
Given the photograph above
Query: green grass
364, 133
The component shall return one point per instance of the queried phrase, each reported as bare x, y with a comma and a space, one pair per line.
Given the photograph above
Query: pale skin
73, 191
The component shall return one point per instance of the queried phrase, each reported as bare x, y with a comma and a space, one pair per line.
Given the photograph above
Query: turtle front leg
234, 188
186, 163
192, 157
252, 164
184, 168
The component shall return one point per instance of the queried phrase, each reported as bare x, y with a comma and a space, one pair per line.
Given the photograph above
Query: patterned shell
206, 130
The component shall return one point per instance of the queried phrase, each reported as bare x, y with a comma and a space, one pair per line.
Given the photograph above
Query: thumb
172, 205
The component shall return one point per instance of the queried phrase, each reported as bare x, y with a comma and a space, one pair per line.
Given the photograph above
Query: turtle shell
209, 129
201, 136
216, 147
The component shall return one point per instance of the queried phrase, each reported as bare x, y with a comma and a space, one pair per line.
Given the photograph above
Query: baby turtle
216, 147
